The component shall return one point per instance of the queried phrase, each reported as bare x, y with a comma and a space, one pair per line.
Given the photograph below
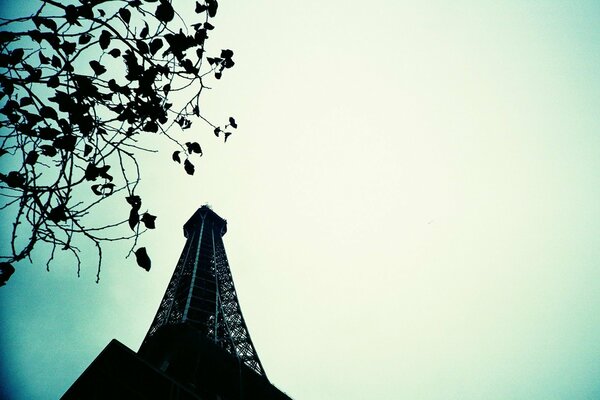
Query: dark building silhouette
198, 346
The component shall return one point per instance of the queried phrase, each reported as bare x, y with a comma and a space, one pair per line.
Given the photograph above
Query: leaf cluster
81, 85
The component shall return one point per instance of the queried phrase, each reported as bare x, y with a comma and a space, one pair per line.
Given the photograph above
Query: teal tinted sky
412, 199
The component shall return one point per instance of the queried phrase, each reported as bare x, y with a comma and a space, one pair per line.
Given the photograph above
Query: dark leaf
85, 85
193, 147
212, 7
189, 67
87, 150
6, 270
43, 58
105, 189
71, 14
68, 47
134, 201
142, 259
134, 70
164, 12
48, 112
48, 133
176, 157
32, 119
104, 172
134, 218
48, 150
218, 75
200, 8
151, 126
142, 47
47, 22
51, 38
200, 36
64, 101
98, 68
226, 54
179, 43
228, 63
65, 142
57, 214
115, 53
125, 15
148, 220
183, 122
53, 82
65, 126
227, 134
232, 122
34, 73
227, 58
14, 118
105, 39
112, 85
13, 179
32, 157
208, 26
35, 35
92, 172
85, 11
85, 38
144, 31
155, 45
147, 80
56, 63
217, 131
8, 87
10, 106
164, 70
189, 167
16, 56
85, 124
25, 101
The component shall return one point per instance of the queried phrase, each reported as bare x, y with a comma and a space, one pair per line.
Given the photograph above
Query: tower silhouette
198, 345
201, 292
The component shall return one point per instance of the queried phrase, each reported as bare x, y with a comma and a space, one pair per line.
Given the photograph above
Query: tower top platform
218, 224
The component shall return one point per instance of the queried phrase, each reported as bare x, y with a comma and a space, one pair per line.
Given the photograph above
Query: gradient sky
413, 207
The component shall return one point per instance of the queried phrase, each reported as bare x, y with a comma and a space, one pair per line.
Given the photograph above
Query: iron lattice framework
201, 291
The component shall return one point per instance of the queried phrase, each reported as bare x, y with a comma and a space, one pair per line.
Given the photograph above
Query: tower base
178, 363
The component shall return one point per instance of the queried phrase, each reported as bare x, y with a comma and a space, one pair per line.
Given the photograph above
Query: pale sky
412, 198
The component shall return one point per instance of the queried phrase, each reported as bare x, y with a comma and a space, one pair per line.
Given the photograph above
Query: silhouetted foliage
6, 270
82, 82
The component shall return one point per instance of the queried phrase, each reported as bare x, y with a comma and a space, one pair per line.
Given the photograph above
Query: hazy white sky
412, 199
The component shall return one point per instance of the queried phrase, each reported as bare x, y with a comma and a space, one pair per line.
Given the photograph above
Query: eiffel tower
198, 346
201, 292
